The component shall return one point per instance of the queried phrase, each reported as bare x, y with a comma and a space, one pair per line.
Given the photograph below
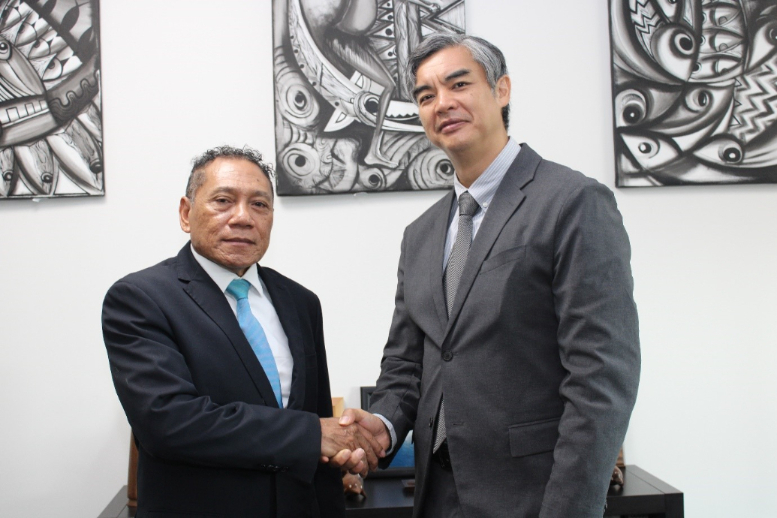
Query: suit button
431, 422
447, 356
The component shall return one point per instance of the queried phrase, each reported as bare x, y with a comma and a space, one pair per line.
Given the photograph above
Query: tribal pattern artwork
694, 91
50, 109
344, 120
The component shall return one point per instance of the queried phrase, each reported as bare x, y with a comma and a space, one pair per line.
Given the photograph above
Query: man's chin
238, 269
453, 145
238, 265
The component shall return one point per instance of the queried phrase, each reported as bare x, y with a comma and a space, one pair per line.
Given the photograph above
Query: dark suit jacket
539, 360
211, 438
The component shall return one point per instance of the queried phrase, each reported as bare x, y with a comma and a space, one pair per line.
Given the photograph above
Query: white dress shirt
263, 310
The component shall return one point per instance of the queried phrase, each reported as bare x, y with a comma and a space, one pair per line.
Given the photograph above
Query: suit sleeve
173, 420
599, 347
327, 481
399, 385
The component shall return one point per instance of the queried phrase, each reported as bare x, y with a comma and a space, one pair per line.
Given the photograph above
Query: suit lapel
434, 261
201, 288
287, 314
506, 201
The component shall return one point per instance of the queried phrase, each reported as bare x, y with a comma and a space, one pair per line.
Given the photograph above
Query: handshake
355, 441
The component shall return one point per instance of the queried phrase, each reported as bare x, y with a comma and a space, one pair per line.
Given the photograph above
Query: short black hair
200, 162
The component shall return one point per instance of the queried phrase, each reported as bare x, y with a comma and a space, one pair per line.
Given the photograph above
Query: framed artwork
694, 87
50, 107
344, 117
403, 464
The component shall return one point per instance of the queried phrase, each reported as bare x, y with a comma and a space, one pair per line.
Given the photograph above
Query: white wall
180, 76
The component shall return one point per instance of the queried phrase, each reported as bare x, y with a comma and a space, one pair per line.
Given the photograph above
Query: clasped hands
354, 442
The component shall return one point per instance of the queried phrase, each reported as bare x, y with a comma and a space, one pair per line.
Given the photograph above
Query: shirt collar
222, 277
485, 186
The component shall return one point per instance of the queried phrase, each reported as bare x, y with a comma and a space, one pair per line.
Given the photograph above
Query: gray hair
199, 163
484, 53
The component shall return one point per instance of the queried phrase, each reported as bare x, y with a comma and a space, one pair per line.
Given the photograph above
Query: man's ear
183, 213
503, 90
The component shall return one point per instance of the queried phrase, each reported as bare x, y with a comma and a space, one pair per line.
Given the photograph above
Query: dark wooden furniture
642, 495
132, 474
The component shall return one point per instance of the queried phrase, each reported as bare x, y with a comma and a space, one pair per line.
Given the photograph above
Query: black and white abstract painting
50, 109
694, 91
345, 121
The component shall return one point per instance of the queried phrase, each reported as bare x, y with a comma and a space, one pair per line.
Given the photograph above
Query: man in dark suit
220, 366
513, 352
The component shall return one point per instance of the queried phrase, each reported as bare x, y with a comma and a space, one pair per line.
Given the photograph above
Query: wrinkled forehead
224, 172
447, 54
446, 61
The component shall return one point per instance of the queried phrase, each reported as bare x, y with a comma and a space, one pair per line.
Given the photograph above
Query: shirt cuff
391, 432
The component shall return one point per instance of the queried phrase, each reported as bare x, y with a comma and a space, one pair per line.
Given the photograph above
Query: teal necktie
251, 327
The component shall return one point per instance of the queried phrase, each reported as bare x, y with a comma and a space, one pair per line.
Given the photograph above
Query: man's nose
241, 214
444, 101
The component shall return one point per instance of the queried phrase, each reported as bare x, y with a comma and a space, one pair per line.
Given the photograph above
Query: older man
513, 353
220, 366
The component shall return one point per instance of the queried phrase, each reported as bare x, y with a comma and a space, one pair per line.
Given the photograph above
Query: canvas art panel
344, 118
50, 108
694, 91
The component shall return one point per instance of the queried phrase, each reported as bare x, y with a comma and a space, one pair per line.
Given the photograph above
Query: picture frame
51, 143
403, 464
688, 107
345, 119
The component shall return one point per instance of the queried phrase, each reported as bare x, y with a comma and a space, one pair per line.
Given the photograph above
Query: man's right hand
369, 422
349, 446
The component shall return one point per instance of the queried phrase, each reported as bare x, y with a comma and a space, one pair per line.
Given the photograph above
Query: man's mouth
449, 126
240, 240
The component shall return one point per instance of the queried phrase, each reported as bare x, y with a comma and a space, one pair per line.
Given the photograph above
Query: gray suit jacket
539, 361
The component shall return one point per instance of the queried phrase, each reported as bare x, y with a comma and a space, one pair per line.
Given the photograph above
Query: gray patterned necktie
467, 207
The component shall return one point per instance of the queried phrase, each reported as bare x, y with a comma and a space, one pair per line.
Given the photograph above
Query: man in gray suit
513, 352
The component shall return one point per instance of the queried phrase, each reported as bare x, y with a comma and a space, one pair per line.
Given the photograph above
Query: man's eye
424, 98
460, 84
